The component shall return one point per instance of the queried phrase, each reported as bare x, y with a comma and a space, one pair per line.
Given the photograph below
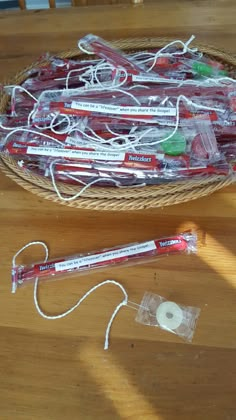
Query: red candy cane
129, 254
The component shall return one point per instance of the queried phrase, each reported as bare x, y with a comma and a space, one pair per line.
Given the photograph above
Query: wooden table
54, 370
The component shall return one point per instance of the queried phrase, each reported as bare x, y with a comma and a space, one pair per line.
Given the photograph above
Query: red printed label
45, 269
168, 245
140, 160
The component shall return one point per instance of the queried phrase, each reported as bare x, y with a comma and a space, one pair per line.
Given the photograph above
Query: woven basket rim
36, 183
112, 204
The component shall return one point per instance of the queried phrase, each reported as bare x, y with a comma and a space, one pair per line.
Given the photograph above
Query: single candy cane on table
133, 253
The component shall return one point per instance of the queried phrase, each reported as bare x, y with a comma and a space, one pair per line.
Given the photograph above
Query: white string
14, 284
126, 138
15, 87
83, 49
70, 126
117, 135
155, 56
98, 140
208, 81
112, 68
52, 124
103, 65
131, 133
78, 303
27, 130
27, 246
92, 72
136, 306
95, 139
10, 128
136, 142
62, 315
114, 89
75, 71
138, 86
51, 94
31, 115
73, 197
13, 96
216, 80
179, 99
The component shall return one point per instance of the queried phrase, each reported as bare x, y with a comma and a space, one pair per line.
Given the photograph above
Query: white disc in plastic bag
169, 315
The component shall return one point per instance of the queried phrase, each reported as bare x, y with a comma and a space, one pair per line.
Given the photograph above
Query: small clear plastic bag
93, 44
157, 311
203, 145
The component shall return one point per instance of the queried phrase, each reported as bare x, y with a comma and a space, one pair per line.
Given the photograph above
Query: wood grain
57, 370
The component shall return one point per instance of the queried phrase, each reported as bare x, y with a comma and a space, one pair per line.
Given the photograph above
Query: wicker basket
108, 198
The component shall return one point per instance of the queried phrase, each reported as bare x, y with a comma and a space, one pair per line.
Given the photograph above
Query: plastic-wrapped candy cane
226, 133
92, 44
203, 145
72, 154
89, 166
127, 254
37, 86
84, 108
161, 92
31, 136
108, 175
155, 107
190, 146
149, 110
66, 74
197, 68
140, 104
205, 69
86, 175
175, 49
21, 101
153, 310
229, 151
59, 68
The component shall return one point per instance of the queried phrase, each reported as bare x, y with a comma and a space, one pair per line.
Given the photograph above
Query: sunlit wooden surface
58, 370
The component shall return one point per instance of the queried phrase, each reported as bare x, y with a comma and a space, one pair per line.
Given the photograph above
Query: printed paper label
105, 256
140, 160
152, 79
72, 141
75, 154
123, 110
59, 93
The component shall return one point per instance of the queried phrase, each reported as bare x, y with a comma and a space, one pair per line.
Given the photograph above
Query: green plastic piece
175, 145
205, 70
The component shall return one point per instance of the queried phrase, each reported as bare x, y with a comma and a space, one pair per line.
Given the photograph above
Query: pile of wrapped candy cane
119, 119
